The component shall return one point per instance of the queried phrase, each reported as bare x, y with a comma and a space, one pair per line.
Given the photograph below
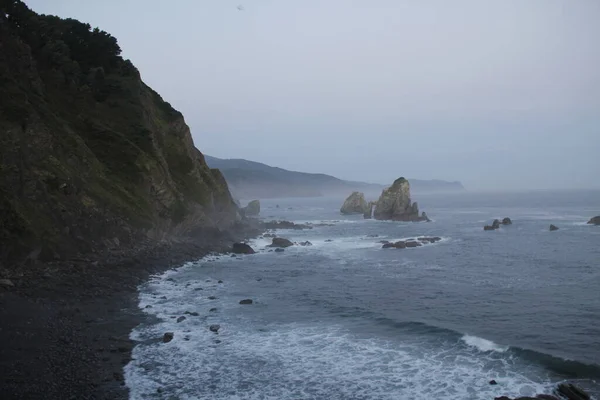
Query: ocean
346, 319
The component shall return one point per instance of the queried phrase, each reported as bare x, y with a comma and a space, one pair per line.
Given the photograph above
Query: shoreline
65, 325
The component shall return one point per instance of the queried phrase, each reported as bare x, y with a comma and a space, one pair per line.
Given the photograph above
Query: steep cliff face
355, 204
395, 203
91, 157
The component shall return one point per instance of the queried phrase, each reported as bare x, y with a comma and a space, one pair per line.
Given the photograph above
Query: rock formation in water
355, 204
553, 227
368, 214
495, 225
506, 221
594, 220
395, 203
252, 209
91, 158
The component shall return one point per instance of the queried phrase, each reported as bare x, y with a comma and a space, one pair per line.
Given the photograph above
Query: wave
483, 344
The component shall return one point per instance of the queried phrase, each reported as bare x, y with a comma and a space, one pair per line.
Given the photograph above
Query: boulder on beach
354, 204
281, 242
395, 203
242, 248
252, 209
506, 221
594, 220
553, 227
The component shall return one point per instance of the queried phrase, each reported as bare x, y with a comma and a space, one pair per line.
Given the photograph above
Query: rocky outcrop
355, 204
594, 220
567, 391
495, 225
91, 158
395, 203
506, 221
242, 248
368, 214
402, 244
284, 225
281, 242
553, 227
252, 209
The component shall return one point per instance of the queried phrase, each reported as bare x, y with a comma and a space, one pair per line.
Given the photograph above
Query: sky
498, 94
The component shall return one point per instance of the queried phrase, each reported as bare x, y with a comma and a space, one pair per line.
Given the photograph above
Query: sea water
346, 319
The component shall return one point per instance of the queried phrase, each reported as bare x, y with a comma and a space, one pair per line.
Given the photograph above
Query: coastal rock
214, 328
412, 244
167, 337
395, 203
388, 245
594, 220
242, 248
307, 243
429, 239
495, 225
180, 319
252, 209
284, 225
424, 217
355, 204
493, 382
279, 250
368, 214
572, 392
246, 301
553, 227
6, 282
506, 221
281, 242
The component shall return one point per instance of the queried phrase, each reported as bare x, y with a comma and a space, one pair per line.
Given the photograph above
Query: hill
90, 157
250, 179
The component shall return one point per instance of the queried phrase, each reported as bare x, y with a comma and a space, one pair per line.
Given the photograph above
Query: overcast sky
496, 94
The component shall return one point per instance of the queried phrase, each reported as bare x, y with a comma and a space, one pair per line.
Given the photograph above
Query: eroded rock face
355, 204
594, 220
395, 204
368, 214
252, 209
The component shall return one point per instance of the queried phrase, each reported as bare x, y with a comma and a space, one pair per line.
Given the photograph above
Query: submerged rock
279, 250
395, 203
214, 328
594, 220
388, 245
167, 337
307, 243
553, 227
355, 204
246, 301
181, 319
506, 221
242, 248
252, 209
281, 242
493, 382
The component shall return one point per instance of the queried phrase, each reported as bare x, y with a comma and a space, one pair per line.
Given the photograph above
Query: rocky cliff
355, 204
395, 203
91, 158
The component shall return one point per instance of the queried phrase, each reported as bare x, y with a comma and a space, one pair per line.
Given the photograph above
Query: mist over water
345, 319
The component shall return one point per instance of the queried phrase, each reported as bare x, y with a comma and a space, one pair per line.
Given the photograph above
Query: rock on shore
594, 220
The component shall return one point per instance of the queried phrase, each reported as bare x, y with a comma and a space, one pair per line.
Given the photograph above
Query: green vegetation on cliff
90, 157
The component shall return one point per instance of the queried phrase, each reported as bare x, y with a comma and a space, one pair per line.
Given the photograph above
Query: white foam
313, 362
483, 344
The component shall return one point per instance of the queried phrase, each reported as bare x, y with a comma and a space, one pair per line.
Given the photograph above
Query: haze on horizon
496, 94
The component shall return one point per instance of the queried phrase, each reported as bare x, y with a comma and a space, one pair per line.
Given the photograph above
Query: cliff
395, 203
91, 158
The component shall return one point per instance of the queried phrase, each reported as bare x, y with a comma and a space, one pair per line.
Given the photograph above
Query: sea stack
395, 203
355, 204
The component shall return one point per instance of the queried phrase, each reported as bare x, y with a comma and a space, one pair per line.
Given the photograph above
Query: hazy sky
496, 94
